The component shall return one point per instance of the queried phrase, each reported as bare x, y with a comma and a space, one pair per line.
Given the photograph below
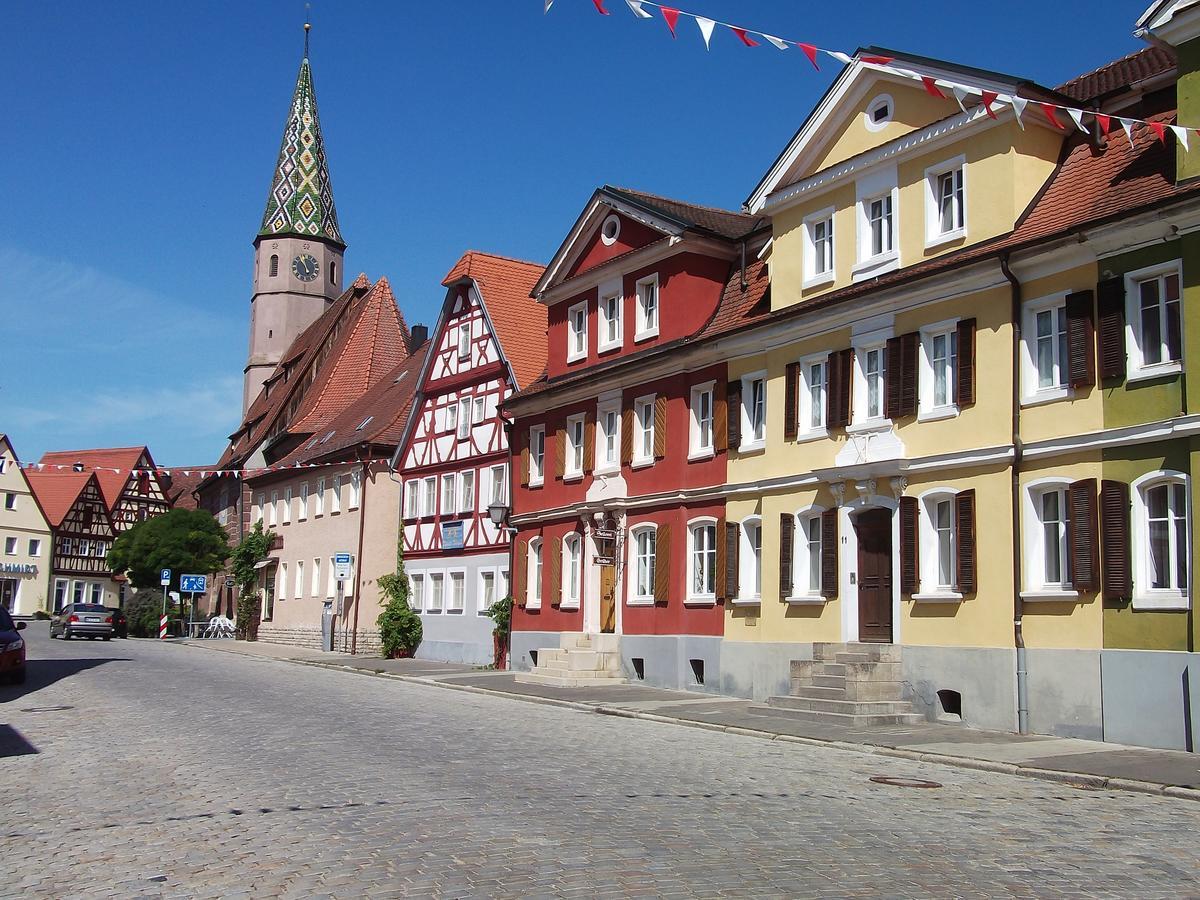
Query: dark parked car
120, 623
12, 649
82, 619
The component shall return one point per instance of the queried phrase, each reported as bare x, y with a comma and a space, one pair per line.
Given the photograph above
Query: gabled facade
454, 460
130, 482
75, 509
25, 539
621, 450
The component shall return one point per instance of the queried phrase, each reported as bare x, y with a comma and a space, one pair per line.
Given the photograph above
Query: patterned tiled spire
301, 198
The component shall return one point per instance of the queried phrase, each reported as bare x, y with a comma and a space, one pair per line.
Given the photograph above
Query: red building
618, 499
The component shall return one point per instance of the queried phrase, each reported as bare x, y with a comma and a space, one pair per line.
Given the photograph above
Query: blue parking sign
164, 577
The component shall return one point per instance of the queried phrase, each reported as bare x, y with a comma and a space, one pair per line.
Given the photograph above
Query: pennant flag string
940, 88
204, 473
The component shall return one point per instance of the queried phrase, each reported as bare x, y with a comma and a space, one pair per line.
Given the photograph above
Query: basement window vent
697, 670
949, 705
639, 667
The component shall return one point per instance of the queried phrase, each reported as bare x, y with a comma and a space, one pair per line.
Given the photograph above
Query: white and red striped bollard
162, 628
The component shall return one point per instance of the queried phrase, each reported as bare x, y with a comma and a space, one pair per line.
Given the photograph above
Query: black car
12, 649
120, 623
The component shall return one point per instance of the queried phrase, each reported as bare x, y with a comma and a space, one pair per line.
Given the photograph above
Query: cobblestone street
137, 769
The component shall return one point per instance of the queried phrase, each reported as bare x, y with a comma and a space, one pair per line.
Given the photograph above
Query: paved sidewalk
1085, 764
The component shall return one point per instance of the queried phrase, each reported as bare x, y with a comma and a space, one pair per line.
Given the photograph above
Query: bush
142, 611
400, 628
41, 615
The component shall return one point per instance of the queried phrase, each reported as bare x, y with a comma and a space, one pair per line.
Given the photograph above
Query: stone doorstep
846, 707
852, 690
568, 679
841, 718
824, 651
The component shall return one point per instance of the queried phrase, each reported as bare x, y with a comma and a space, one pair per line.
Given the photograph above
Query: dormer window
610, 231
879, 112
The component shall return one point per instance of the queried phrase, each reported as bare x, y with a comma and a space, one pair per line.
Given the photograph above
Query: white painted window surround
1044, 350
1045, 522
1154, 321
806, 557
938, 369
869, 401
642, 549
577, 339
571, 572
533, 589
700, 443
576, 435
537, 455
879, 112
646, 308
643, 430
610, 230
877, 212
608, 437
945, 202
813, 397
702, 562
464, 340
936, 543
610, 334
819, 257
1161, 526
750, 562
754, 412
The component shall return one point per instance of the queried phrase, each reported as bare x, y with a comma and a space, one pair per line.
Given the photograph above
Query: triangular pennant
743, 37
1104, 122
776, 42
877, 60
811, 52
635, 6
670, 16
1127, 125
706, 30
1018, 105
599, 4
960, 94
1048, 109
1077, 117
840, 56
1181, 134
1160, 131
931, 87
990, 97
549, 3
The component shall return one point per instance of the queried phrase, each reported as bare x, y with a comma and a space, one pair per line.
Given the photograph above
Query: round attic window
610, 230
879, 112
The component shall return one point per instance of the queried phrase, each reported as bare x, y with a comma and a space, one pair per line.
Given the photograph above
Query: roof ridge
719, 209
506, 257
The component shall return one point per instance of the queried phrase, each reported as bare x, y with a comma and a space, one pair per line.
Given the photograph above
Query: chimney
417, 336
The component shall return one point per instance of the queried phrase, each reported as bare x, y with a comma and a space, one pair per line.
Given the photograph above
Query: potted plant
500, 612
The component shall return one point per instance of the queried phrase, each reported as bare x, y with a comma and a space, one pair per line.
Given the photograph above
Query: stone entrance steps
580, 660
849, 684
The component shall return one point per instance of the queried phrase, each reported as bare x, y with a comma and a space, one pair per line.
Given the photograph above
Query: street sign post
341, 565
193, 584
164, 577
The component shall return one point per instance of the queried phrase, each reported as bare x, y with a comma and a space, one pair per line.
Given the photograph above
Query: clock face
305, 267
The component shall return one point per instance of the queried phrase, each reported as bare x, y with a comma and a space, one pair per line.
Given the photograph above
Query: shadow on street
13, 743
40, 673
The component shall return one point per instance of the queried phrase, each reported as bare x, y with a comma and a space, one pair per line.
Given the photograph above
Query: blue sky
139, 140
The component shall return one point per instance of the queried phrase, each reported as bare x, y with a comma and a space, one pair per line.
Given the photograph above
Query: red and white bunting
203, 473
940, 88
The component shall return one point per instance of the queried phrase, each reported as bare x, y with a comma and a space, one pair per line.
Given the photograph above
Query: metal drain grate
899, 781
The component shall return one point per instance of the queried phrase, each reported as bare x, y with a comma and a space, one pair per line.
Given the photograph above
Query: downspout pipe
1018, 603
365, 455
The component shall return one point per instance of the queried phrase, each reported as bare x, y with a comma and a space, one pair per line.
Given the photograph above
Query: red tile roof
103, 461
520, 321
57, 492
180, 484
1120, 74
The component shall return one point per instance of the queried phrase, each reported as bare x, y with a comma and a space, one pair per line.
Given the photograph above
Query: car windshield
6, 621
90, 607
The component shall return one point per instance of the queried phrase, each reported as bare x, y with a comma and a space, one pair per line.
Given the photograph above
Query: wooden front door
608, 599
874, 530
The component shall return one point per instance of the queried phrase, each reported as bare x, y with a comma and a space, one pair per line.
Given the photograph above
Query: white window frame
934, 235
483, 607
35, 547
533, 579
412, 498
572, 552
302, 512
878, 185
697, 449
453, 577
604, 411
576, 434
803, 557
633, 595
1137, 369
299, 579
863, 345
281, 582
436, 583
259, 508
316, 577
610, 230
1031, 392
416, 592
274, 518
479, 410
464, 340
1145, 596
355, 489
576, 331
10, 546
814, 276
450, 417
429, 495
693, 598
927, 406
463, 431
466, 491
335, 496
500, 483
643, 431
1034, 569
605, 319
10, 501
646, 325
930, 586
749, 442
805, 430
449, 493
537, 455
319, 500
286, 518
749, 562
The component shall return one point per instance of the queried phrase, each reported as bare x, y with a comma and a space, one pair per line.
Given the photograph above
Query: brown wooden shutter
524, 440
733, 413
1116, 568
829, 553
660, 426
732, 565
719, 568
964, 541
900, 375
787, 541
720, 422
627, 434
552, 552
838, 391
1110, 300
662, 563
520, 564
909, 546
964, 381
560, 451
1081, 340
589, 442
791, 386
1083, 534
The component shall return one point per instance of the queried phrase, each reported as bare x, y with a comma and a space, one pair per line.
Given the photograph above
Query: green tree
252, 550
500, 612
400, 628
186, 541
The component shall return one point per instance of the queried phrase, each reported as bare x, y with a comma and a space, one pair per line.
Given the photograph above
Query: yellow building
974, 343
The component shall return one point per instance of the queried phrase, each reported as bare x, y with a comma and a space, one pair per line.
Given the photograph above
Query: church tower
298, 251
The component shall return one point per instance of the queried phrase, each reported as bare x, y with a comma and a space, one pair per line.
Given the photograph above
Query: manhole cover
46, 708
897, 781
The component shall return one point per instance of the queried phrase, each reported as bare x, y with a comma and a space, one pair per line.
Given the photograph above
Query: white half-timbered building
488, 343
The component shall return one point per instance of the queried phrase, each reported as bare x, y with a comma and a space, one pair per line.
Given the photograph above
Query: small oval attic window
879, 112
610, 230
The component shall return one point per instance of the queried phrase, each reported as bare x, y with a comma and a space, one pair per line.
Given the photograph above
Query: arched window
534, 589
643, 550
333, 273
1160, 538
572, 558
702, 561
274, 270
